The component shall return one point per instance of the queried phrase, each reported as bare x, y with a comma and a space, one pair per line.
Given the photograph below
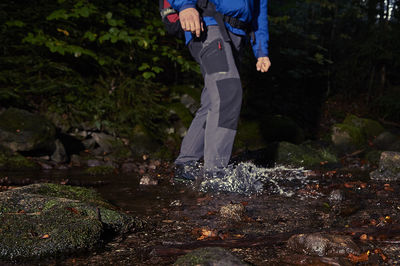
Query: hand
190, 21
263, 64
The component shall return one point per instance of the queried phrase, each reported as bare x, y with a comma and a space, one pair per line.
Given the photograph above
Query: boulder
13, 161
389, 167
43, 220
385, 141
106, 142
304, 155
319, 244
369, 128
347, 137
209, 256
21, 130
59, 155
354, 132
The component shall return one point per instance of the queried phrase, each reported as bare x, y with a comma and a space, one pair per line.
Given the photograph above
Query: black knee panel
230, 94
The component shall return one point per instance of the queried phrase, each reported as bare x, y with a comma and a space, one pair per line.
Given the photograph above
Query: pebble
148, 181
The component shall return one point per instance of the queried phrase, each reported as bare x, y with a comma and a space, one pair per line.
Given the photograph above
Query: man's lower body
213, 129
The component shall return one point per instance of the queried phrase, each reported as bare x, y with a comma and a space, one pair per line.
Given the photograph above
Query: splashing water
247, 178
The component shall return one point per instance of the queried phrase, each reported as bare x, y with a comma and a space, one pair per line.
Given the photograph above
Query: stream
274, 204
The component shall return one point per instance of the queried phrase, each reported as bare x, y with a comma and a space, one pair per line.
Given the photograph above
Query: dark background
108, 65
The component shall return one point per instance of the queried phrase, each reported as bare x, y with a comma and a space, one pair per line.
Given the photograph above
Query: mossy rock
182, 112
281, 128
347, 137
249, 136
44, 220
12, 161
368, 127
304, 155
209, 256
21, 130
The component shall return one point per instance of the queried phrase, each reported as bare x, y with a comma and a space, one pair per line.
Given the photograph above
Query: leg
225, 91
192, 148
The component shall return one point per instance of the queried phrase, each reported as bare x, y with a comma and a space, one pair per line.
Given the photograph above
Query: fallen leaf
238, 236
168, 221
362, 258
205, 233
45, 236
73, 210
363, 237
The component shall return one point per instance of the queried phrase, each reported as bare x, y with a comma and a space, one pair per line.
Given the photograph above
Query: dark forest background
108, 65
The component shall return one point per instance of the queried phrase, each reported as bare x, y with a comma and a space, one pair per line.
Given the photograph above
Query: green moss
249, 136
356, 136
13, 161
100, 170
368, 127
303, 155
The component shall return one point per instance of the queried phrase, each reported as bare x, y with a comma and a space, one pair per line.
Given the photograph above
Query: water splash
247, 178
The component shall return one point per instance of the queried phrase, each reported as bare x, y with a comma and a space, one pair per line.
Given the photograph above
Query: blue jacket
249, 11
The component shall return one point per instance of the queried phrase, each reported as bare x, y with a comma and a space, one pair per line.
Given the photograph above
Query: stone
232, 212
89, 143
59, 155
13, 161
129, 167
320, 244
215, 256
346, 137
94, 163
105, 141
76, 160
385, 141
304, 155
369, 128
336, 196
389, 167
355, 132
148, 181
21, 130
43, 220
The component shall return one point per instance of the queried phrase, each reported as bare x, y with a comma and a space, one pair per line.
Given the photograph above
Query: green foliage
95, 61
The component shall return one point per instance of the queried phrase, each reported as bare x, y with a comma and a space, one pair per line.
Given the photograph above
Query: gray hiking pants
213, 129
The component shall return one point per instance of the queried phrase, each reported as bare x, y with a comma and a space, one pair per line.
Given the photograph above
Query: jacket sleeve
260, 28
180, 5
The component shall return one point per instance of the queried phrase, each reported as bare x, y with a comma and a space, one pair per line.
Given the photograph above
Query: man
216, 48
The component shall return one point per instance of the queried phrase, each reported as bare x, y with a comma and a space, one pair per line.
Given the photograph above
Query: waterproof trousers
213, 129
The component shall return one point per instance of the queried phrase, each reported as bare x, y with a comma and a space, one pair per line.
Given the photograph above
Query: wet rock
59, 155
129, 167
389, 167
346, 137
336, 196
21, 130
13, 161
369, 128
89, 144
76, 160
385, 141
48, 219
148, 181
319, 244
354, 132
302, 155
281, 128
232, 212
175, 203
209, 256
79, 134
94, 163
104, 141
299, 259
